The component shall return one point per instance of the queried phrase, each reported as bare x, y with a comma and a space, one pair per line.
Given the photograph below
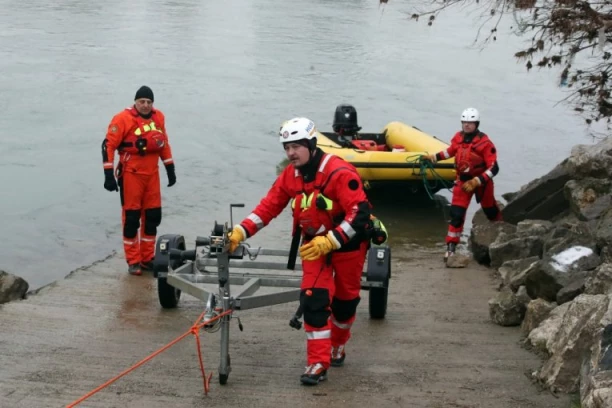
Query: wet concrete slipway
226, 76
435, 348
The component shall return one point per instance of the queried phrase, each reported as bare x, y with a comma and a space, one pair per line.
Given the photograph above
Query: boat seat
368, 145
382, 148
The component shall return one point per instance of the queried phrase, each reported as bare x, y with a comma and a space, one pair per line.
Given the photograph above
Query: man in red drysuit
332, 212
476, 164
138, 134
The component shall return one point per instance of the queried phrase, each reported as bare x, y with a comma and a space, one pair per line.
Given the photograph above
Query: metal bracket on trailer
178, 270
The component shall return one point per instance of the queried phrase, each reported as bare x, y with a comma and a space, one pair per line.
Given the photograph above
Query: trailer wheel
379, 270
378, 302
168, 295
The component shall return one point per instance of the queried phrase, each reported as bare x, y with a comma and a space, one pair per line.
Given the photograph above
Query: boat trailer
179, 269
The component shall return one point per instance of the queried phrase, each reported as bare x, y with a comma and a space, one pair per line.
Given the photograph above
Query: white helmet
470, 115
296, 129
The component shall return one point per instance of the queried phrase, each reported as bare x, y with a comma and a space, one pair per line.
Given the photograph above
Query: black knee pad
132, 223
316, 306
456, 215
153, 218
491, 212
344, 309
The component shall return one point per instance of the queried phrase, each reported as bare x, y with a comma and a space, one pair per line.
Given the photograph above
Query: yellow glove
236, 236
318, 247
470, 185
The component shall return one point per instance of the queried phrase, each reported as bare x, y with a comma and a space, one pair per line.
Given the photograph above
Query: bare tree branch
562, 32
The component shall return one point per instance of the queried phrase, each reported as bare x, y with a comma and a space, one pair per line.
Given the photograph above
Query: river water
226, 75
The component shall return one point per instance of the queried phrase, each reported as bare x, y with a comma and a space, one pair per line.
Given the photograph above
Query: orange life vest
468, 158
146, 138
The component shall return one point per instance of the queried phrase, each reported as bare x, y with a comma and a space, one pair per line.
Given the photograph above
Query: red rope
195, 330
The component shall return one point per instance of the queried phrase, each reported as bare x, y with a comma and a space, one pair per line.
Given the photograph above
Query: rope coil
423, 167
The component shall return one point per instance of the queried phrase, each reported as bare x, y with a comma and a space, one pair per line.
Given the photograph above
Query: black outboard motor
345, 121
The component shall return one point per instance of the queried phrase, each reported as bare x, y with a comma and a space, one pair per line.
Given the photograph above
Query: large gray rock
571, 234
596, 373
557, 270
458, 261
573, 340
511, 268
543, 198
509, 196
600, 282
591, 160
573, 257
483, 235
561, 230
527, 267
578, 235
508, 308
537, 311
544, 281
588, 198
533, 227
571, 290
606, 255
12, 287
509, 247
480, 218
526, 241
543, 336
603, 229
601, 395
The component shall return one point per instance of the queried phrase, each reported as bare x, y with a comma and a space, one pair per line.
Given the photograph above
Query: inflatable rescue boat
392, 155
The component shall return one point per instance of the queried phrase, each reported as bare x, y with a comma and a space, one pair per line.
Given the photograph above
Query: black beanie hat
144, 92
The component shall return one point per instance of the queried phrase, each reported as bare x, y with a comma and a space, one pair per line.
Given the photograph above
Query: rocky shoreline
553, 258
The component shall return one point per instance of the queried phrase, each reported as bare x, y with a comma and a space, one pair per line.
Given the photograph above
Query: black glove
431, 158
109, 180
171, 174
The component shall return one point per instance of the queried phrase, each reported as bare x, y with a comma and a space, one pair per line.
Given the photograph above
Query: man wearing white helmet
476, 164
332, 214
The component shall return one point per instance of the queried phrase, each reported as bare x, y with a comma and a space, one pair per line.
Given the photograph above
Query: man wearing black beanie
144, 92
138, 135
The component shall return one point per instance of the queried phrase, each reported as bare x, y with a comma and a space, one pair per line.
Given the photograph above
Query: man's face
143, 106
468, 127
297, 154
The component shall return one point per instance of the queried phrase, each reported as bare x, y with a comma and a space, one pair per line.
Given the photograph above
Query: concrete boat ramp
435, 348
